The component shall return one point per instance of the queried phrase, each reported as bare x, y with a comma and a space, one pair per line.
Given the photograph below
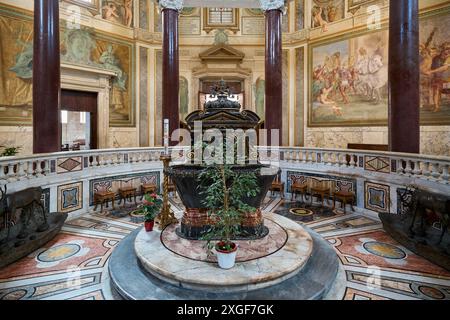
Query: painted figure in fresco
260, 88
377, 75
110, 62
362, 68
184, 97
439, 67
324, 100
110, 12
24, 61
128, 12
78, 45
318, 20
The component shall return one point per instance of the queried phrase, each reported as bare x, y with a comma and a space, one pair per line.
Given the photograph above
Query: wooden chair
277, 186
320, 188
299, 185
102, 197
148, 189
127, 193
344, 195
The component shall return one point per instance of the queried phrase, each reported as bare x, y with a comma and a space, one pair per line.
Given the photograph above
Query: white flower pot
226, 260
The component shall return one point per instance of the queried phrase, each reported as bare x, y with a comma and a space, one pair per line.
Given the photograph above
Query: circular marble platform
248, 249
277, 262
319, 279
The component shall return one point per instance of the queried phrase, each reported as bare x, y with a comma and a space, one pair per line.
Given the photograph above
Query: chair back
319, 184
344, 186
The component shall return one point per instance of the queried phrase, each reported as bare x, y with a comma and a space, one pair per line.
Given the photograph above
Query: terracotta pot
226, 259
149, 225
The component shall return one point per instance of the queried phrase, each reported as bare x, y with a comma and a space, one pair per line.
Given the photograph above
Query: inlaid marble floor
74, 264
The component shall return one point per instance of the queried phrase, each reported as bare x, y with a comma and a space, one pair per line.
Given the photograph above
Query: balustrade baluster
352, 161
11, 173
445, 174
426, 169
29, 172
21, 175
46, 168
2, 172
408, 169
435, 170
417, 170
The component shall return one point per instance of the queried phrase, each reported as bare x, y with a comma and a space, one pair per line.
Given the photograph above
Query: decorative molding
70, 197
65, 165
222, 53
93, 6
377, 164
171, 4
377, 197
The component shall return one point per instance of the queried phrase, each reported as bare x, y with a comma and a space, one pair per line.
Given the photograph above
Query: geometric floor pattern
73, 265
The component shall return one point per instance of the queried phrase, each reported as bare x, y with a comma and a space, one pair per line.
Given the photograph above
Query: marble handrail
419, 166
36, 166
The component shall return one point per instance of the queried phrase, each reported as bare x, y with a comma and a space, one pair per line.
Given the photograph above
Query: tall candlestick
166, 136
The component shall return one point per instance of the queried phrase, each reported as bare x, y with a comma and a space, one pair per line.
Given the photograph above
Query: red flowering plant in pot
151, 206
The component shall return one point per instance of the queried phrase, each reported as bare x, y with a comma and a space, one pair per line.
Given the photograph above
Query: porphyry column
170, 56
404, 77
46, 77
273, 67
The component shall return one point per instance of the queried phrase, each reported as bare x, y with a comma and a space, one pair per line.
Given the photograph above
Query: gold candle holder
166, 217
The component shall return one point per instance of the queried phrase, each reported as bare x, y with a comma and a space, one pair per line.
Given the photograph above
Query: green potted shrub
151, 207
224, 191
9, 151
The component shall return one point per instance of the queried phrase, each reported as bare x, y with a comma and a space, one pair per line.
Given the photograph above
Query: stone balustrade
375, 177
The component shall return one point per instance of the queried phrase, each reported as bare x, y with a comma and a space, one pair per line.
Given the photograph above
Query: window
217, 18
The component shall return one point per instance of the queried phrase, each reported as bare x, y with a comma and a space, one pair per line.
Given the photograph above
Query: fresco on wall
78, 46
86, 47
118, 11
16, 71
299, 15
348, 82
434, 70
158, 99
286, 114
184, 98
143, 14
324, 12
260, 94
157, 21
299, 96
349, 78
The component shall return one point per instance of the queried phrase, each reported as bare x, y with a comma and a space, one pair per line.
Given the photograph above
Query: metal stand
167, 216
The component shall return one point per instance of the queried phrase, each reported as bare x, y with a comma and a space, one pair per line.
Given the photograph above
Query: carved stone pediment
221, 119
222, 53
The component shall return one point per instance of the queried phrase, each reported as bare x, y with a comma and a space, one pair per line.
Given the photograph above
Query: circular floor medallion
60, 252
432, 292
384, 250
301, 212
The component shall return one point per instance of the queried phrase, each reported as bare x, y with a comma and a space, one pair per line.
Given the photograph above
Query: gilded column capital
171, 4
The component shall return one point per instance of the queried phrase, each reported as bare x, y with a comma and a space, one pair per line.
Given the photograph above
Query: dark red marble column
46, 77
404, 77
273, 73
170, 77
